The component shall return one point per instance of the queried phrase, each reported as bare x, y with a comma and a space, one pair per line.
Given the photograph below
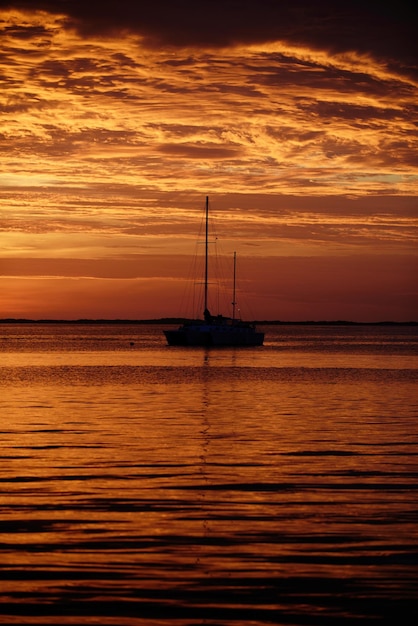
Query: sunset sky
298, 119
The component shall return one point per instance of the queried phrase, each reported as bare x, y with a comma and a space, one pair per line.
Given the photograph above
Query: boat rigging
215, 331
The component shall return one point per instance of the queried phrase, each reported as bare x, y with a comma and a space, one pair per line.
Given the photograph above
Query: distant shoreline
174, 320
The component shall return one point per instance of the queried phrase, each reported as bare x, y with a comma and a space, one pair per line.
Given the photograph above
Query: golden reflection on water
165, 486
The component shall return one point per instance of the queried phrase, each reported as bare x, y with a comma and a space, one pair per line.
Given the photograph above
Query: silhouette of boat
215, 331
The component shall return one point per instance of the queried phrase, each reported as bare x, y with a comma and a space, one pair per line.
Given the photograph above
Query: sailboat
214, 331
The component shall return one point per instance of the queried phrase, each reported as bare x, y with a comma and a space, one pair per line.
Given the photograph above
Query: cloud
118, 118
385, 30
202, 151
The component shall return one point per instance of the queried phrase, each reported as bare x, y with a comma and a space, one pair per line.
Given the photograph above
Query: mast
206, 254
233, 291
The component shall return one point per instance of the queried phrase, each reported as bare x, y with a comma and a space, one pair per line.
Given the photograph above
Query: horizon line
180, 320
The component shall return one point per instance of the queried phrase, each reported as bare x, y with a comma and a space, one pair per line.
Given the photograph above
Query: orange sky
117, 121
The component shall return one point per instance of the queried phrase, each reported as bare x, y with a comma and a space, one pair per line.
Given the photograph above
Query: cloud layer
299, 120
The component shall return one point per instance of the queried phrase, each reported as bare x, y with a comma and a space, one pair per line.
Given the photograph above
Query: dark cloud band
386, 30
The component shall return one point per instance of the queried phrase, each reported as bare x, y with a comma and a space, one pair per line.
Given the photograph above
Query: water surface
143, 484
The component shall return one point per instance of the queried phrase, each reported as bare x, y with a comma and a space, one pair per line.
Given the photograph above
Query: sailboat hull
214, 336
182, 337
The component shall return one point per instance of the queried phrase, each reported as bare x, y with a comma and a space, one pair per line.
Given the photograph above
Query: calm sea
143, 484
